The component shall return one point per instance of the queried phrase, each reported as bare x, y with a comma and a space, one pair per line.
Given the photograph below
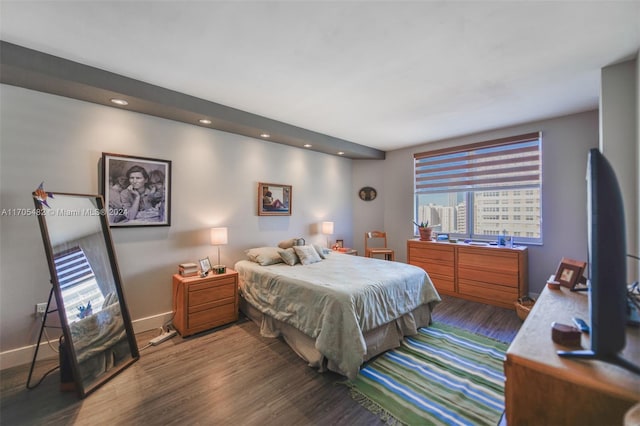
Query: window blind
72, 268
509, 163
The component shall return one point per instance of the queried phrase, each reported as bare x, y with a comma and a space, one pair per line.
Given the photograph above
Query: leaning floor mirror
98, 338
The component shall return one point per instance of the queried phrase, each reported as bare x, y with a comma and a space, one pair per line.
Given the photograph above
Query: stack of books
188, 269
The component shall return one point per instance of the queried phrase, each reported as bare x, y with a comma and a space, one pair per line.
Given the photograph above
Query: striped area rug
441, 376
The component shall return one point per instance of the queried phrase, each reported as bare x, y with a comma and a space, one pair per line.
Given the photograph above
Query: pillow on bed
264, 255
287, 243
289, 256
307, 254
323, 252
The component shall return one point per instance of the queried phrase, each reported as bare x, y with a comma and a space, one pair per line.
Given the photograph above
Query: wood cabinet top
534, 349
483, 246
210, 276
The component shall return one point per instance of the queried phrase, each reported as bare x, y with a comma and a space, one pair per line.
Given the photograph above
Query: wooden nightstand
204, 303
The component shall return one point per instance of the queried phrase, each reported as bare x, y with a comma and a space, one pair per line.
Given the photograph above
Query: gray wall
619, 143
215, 174
565, 143
214, 183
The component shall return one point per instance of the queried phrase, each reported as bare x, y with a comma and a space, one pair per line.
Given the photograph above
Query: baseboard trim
24, 355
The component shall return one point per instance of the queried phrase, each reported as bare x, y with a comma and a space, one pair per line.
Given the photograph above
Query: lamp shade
327, 228
218, 236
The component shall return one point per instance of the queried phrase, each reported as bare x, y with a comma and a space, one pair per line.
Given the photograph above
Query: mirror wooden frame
116, 346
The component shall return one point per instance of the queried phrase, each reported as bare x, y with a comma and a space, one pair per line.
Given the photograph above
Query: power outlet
41, 309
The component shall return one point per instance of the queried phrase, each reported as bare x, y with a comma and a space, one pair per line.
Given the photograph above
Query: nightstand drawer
211, 293
213, 317
212, 283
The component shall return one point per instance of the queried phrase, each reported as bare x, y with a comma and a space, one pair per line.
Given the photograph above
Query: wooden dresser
488, 274
204, 303
544, 389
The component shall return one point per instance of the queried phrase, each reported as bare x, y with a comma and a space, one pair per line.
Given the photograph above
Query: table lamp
327, 229
218, 238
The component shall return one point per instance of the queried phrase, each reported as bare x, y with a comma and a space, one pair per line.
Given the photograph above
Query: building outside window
475, 191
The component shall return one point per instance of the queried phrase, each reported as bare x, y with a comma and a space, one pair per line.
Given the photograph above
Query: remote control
579, 322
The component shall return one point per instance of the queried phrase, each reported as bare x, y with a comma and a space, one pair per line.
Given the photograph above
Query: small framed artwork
205, 265
274, 199
340, 243
136, 190
367, 193
570, 272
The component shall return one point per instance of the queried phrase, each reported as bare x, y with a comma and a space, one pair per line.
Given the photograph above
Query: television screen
607, 265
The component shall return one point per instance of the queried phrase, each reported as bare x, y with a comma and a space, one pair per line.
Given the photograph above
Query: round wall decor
367, 193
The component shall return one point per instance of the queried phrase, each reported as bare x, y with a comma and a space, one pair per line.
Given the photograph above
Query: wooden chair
378, 236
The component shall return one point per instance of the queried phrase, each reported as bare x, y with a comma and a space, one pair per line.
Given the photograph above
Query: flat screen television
607, 248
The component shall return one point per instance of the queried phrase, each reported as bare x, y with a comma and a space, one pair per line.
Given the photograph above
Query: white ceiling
385, 74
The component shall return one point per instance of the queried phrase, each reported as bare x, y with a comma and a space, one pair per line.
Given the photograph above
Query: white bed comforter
334, 301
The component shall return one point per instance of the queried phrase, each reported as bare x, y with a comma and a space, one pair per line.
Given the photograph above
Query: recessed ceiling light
120, 102
204, 121
307, 145
265, 135
340, 152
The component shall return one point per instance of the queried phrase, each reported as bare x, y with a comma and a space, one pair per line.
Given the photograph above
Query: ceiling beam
31, 69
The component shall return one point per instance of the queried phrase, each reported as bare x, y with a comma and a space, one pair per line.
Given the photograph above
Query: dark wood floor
213, 378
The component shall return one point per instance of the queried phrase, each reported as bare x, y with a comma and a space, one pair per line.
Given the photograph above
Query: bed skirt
378, 340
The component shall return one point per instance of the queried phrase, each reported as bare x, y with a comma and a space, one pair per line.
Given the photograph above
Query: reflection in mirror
98, 335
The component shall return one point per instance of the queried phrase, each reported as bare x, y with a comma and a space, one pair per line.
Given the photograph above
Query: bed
99, 341
336, 311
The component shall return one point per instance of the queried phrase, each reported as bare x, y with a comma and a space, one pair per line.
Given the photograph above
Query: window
456, 188
77, 283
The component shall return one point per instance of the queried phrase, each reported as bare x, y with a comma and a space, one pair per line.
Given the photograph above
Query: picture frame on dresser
136, 190
570, 272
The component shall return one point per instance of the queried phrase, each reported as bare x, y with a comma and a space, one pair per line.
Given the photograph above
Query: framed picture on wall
274, 199
136, 190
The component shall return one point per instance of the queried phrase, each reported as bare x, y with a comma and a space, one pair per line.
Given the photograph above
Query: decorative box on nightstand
204, 303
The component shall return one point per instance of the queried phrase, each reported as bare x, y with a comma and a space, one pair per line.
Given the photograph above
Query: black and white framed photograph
136, 190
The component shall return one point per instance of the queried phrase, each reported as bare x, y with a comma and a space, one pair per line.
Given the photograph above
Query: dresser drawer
443, 283
488, 261
505, 296
509, 279
440, 253
432, 267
